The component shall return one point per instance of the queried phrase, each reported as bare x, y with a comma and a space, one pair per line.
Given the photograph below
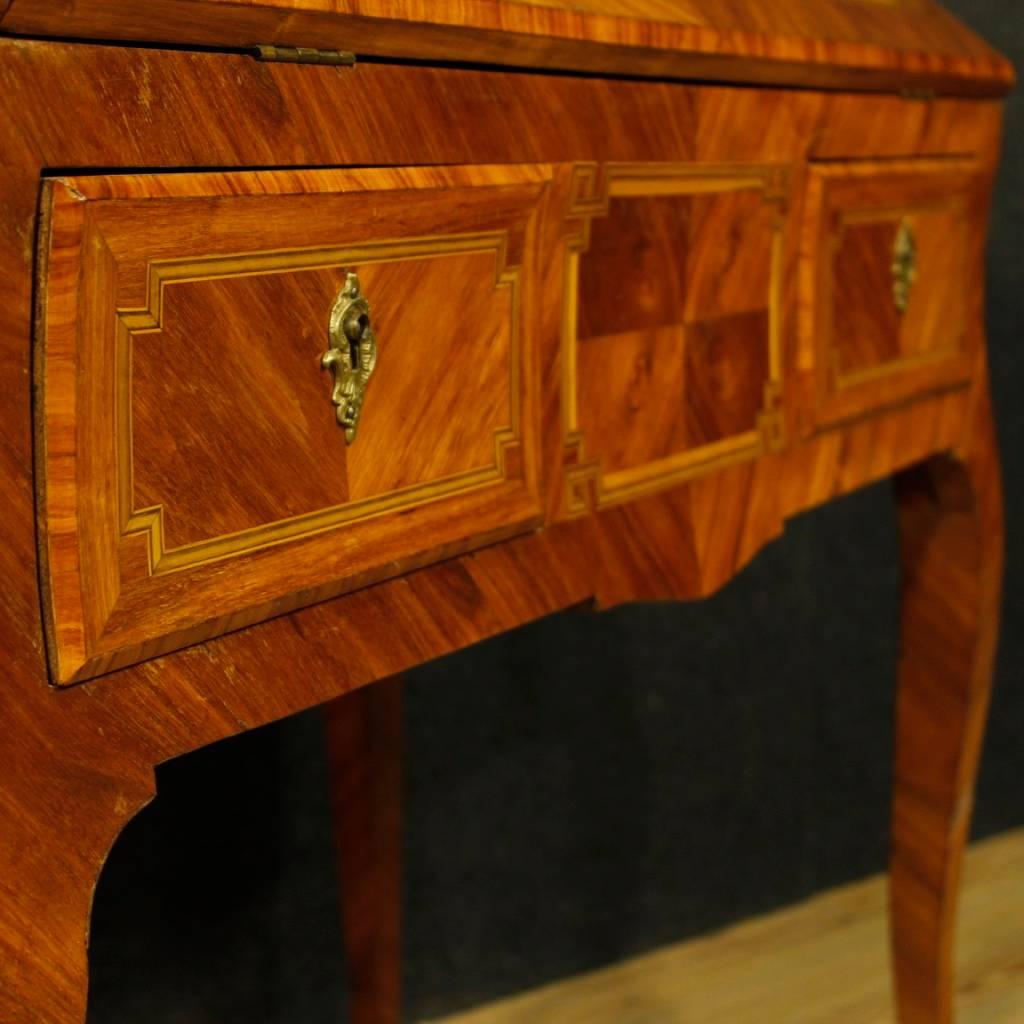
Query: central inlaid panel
672, 348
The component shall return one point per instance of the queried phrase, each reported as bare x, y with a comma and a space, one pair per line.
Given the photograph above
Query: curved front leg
951, 530
58, 821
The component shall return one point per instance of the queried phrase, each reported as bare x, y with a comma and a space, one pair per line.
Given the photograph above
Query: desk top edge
874, 45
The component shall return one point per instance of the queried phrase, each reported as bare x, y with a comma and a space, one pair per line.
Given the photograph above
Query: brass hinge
305, 55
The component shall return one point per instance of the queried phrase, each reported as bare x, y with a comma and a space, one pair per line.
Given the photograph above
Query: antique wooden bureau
314, 370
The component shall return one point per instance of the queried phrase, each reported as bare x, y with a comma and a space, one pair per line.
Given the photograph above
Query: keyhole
355, 329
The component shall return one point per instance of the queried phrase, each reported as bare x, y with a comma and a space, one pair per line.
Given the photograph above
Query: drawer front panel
672, 334
261, 389
889, 254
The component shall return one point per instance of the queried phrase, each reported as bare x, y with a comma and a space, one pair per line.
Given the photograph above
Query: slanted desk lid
888, 45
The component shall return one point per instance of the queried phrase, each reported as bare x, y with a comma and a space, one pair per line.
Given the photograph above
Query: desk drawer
890, 254
262, 389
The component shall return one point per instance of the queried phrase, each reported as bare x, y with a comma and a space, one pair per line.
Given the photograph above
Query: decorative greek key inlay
133, 323
352, 355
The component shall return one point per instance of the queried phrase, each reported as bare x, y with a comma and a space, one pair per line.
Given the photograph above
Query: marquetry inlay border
587, 486
892, 190
135, 323
839, 380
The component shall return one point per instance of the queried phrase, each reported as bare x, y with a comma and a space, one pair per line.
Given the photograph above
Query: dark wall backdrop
588, 788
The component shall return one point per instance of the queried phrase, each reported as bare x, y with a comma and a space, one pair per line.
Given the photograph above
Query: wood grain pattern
866, 351
364, 745
78, 762
952, 537
827, 43
241, 355
186, 415
869, 333
867, 328
672, 324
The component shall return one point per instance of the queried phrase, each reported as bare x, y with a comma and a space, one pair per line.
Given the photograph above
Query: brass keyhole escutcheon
904, 265
352, 354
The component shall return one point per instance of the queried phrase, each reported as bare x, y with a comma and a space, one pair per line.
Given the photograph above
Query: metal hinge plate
305, 55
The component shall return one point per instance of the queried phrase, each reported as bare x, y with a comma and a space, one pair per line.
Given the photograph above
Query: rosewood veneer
315, 370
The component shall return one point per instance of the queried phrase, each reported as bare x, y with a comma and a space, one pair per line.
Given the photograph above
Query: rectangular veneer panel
195, 469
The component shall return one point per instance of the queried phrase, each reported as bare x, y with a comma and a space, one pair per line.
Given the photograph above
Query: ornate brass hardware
352, 354
904, 265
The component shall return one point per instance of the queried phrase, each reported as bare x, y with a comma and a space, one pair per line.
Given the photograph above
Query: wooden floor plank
821, 962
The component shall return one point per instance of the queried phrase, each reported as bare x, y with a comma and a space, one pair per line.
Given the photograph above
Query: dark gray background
587, 788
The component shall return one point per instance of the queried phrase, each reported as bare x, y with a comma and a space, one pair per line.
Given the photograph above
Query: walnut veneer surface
889, 44
626, 326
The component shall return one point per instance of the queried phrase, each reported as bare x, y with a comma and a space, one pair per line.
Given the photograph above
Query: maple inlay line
135, 323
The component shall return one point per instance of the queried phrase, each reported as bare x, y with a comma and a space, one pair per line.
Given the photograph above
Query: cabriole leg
951, 529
